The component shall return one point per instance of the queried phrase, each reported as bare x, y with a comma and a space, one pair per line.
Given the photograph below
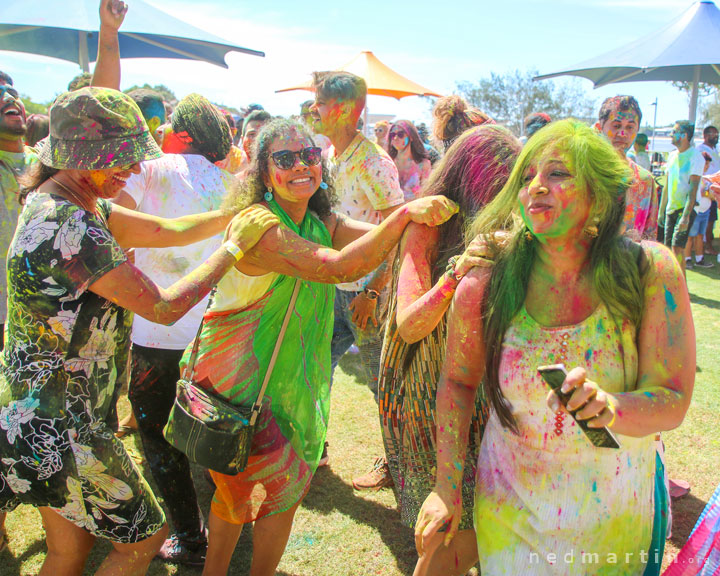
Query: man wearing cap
178, 184
619, 120
638, 152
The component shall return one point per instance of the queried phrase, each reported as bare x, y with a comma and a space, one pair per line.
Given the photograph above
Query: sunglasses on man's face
8, 93
398, 134
285, 159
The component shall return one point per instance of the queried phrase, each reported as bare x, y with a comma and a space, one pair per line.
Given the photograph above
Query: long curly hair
614, 268
252, 188
417, 148
472, 173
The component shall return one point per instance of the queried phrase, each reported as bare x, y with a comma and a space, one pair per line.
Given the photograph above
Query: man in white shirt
367, 183
709, 150
685, 168
172, 186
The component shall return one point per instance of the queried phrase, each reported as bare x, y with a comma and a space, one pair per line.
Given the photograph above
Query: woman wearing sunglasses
313, 246
409, 154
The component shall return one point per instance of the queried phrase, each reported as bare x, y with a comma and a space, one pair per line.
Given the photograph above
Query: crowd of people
143, 241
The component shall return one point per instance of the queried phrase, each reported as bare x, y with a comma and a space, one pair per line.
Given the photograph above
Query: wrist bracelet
613, 411
450, 268
234, 250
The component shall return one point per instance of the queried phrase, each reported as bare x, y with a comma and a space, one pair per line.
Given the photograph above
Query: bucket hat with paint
95, 129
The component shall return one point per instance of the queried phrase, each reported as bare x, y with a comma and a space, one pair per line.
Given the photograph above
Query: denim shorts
700, 224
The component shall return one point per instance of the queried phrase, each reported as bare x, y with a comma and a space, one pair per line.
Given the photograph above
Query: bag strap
291, 306
196, 343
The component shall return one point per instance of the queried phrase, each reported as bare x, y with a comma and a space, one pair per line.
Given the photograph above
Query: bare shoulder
663, 267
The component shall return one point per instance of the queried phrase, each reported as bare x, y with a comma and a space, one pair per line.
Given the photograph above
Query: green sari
234, 353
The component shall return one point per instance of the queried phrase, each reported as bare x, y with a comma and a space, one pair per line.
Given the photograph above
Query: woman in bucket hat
70, 285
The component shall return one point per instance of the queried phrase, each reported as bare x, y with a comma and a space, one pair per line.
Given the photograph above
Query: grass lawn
340, 532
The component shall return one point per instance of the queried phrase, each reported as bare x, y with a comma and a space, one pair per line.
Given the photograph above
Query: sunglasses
8, 94
285, 159
398, 134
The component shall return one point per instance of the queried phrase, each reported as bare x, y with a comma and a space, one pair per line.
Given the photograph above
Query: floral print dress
65, 347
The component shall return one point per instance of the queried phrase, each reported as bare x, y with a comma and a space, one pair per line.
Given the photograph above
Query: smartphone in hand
554, 376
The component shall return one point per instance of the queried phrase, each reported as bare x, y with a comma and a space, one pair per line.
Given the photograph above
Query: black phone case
554, 377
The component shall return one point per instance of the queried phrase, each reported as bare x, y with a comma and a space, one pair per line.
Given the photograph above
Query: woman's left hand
588, 401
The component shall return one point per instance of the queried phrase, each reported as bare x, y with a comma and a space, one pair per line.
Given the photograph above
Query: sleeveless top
548, 501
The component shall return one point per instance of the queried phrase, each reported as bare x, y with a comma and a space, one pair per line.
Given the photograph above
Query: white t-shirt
366, 181
172, 186
704, 202
680, 168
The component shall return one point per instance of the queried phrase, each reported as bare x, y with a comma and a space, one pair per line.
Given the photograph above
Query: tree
34, 107
711, 111
167, 94
508, 98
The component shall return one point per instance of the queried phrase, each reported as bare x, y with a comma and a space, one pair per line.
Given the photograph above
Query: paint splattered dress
65, 349
234, 352
548, 501
408, 418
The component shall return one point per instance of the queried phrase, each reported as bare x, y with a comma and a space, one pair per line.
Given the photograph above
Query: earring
268, 195
528, 235
323, 186
592, 230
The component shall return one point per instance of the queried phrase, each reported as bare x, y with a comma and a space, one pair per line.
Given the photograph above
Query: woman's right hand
431, 210
478, 253
437, 512
249, 225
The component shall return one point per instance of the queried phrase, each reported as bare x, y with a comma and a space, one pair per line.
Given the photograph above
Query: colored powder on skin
670, 301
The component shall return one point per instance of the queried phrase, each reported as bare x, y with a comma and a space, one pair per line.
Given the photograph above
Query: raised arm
283, 251
128, 287
460, 377
107, 67
420, 304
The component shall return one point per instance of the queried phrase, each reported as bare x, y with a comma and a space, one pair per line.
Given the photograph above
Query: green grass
340, 532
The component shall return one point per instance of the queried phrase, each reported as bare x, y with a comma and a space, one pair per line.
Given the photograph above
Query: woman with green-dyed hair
566, 289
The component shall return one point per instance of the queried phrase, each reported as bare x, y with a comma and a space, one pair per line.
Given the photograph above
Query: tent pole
694, 95
83, 58
652, 144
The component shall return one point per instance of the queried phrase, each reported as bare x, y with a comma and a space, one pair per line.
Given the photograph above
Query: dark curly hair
251, 189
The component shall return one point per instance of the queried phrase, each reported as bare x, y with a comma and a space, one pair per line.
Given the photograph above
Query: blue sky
434, 43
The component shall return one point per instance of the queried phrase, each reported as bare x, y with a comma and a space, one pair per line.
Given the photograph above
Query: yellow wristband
233, 249
613, 410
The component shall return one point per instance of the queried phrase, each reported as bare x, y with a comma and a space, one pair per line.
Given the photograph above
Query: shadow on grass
328, 493
702, 301
11, 564
352, 365
685, 513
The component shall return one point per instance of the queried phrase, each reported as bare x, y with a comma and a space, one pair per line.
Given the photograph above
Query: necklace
74, 197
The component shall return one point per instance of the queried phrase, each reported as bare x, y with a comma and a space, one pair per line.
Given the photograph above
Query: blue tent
68, 29
687, 49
